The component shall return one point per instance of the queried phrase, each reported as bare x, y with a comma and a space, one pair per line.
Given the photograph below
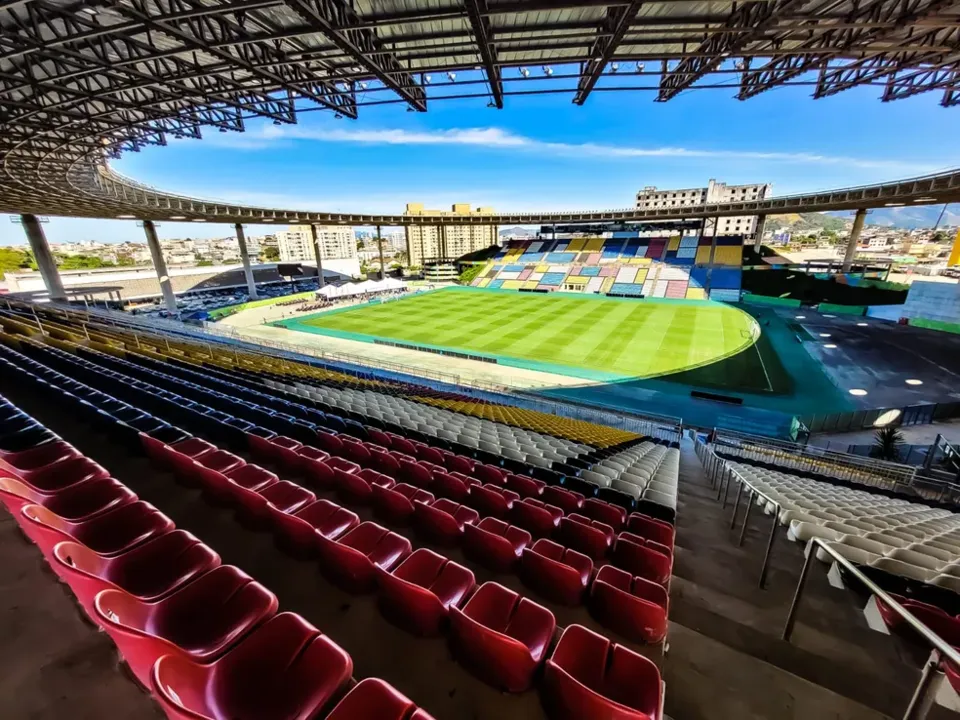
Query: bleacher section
679, 267
297, 451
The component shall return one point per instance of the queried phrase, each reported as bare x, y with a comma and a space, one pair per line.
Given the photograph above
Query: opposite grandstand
585, 336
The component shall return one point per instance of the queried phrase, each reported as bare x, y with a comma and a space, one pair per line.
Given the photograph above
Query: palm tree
886, 444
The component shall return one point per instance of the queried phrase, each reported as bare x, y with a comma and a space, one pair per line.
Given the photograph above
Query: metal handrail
920, 700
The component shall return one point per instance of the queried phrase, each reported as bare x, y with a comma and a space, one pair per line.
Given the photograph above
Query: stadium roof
83, 82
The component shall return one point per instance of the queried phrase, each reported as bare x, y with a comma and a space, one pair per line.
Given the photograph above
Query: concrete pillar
443, 241
406, 237
854, 239
317, 254
43, 256
160, 265
245, 259
383, 267
758, 237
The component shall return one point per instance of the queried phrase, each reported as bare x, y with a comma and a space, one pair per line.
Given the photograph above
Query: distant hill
807, 222
910, 218
516, 232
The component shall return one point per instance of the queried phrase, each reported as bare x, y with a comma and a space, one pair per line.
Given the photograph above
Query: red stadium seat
316, 468
373, 699
297, 533
199, 622
419, 592
453, 485
351, 561
284, 670
443, 520
612, 515
944, 625
149, 572
540, 518
224, 489
378, 437
80, 501
458, 463
414, 473
220, 461
953, 675
631, 606
492, 500
193, 447
501, 637
402, 445
633, 554
494, 544
384, 462
329, 442
430, 455
525, 486
652, 529
591, 537
257, 510
50, 479
286, 453
356, 452
558, 573
567, 500
588, 677
357, 487
24, 462
110, 534
489, 474
396, 504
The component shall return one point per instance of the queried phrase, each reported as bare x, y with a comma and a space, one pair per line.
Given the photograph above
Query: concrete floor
725, 658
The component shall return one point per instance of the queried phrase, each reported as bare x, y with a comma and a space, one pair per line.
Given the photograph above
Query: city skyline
543, 154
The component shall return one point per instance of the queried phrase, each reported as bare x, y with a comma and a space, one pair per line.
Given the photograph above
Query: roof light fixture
524, 72
452, 76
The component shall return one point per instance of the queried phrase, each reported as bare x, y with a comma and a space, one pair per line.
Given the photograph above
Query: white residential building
296, 243
652, 198
448, 242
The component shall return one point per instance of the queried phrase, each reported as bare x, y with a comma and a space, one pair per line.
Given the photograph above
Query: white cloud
497, 138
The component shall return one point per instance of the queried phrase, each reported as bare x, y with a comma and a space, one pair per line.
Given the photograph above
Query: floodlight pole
317, 252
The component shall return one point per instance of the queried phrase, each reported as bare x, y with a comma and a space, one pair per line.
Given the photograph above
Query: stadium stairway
724, 660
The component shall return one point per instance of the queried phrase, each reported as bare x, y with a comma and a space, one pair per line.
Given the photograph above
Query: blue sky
539, 153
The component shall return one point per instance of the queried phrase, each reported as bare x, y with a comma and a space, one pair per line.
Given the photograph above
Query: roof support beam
874, 22
476, 10
330, 17
946, 78
755, 18
616, 22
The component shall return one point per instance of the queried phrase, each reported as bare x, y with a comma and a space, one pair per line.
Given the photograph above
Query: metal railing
661, 427
922, 698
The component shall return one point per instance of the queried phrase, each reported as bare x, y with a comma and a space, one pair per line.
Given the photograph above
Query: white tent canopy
367, 286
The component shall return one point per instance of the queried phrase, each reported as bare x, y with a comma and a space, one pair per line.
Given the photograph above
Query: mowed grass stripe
640, 338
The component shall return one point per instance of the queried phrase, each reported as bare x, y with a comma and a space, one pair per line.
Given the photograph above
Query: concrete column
245, 259
406, 237
43, 256
160, 265
317, 254
758, 237
854, 239
383, 268
443, 241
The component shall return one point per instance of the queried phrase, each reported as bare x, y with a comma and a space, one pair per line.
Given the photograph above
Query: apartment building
295, 244
652, 198
447, 242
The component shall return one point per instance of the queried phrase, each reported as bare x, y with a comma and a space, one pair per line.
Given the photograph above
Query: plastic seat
395, 504
358, 487
284, 670
250, 478
525, 486
495, 544
651, 529
455, 486
149, 572
414, 473
637, 556
501, 637
634, 607
201, 621
220, 461
297, 533
373, 699
280, 497
567, 500
316, 467
489, 474
587, 676
109, 534
25, 462
492, 500
558, 573
53, 478
80, 501
350, 561
591, 537
193, 447
419, 592
443, 520
537, 516
612, 515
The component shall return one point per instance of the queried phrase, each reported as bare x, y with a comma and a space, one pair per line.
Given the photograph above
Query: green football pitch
587, 336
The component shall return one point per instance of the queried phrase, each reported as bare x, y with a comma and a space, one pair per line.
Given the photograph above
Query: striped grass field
559, 332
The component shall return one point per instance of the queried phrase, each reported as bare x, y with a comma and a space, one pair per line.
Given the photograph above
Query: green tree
886, 444
204, 263
270, 254
81, 262
12, 259
469, 273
